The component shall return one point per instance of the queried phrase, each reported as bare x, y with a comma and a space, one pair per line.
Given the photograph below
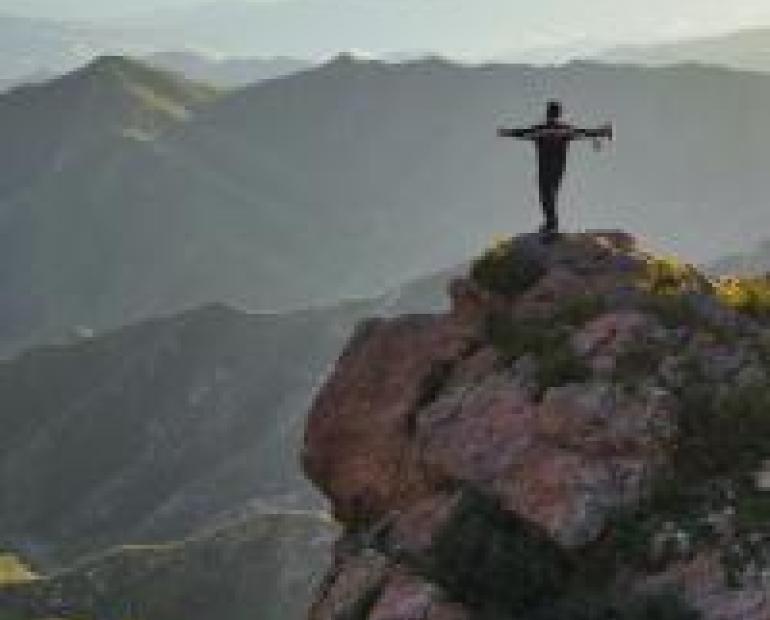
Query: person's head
553, 110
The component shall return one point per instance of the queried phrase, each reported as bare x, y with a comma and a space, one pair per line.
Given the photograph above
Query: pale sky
525, 23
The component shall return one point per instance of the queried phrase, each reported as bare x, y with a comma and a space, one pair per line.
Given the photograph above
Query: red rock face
565, 462
359, 444
421, 409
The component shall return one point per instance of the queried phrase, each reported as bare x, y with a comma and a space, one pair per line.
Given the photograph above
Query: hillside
88, 122
265, 566
746, 50
583, 435
83, 119
152, 431
172, 428
269, 196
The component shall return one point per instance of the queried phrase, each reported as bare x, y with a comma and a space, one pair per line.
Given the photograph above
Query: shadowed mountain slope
160, 428
154, 430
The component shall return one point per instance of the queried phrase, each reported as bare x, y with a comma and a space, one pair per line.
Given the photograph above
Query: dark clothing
552, 140
549, 193
552, 150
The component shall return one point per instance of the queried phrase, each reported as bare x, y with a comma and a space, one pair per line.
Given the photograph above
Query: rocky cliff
583, 435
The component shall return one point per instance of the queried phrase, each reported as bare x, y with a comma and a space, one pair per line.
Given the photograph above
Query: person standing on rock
552, 140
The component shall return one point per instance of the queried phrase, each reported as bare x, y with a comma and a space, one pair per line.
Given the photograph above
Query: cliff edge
584, 435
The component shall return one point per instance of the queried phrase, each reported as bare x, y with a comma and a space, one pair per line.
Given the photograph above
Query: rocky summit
585, 434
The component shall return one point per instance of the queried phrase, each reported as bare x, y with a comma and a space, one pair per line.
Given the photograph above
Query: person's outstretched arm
528, 133
578, 133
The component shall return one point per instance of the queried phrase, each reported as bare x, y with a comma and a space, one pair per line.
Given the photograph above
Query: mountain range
746, 50
306, 30
313, 30
153, 431
150, 194
155, 468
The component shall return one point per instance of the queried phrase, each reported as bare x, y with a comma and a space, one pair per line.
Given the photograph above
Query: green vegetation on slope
556, 362
266, 565
505, 269
13, 570
748, 295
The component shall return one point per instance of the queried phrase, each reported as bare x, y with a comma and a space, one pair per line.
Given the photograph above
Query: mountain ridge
744, 50
351, 152
97, 104
226, 72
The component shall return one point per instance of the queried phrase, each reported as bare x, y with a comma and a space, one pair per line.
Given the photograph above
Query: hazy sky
530, 22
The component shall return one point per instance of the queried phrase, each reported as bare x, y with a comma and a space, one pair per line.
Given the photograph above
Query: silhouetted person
552, 140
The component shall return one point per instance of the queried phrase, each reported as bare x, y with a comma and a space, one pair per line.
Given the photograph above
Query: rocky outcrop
558, 443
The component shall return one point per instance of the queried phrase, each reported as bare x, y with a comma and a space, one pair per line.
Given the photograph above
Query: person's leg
548, 192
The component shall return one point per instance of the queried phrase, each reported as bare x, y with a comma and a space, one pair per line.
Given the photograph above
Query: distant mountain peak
352, 58
126, 95
127, 70
744, 50
111, 62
